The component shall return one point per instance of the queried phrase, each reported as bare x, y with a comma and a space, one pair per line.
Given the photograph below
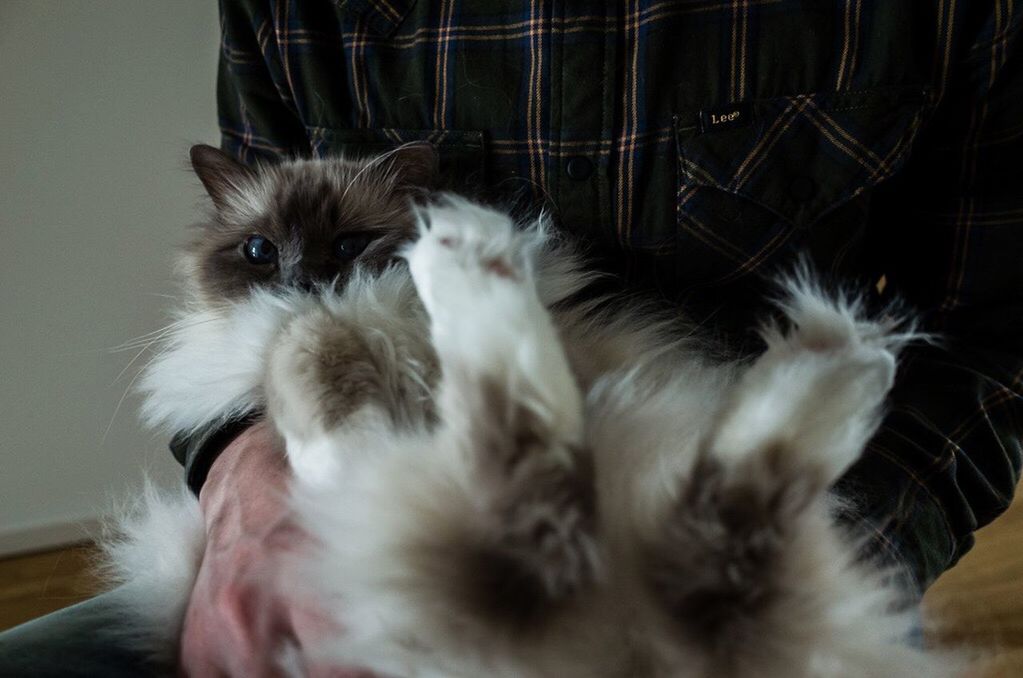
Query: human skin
247, 602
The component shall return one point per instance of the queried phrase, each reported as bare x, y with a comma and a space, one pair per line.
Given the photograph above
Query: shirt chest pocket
755, 176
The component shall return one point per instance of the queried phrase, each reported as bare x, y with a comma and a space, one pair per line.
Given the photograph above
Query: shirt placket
582, 114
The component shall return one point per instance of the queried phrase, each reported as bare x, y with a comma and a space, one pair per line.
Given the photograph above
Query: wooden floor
978, 604
36, 584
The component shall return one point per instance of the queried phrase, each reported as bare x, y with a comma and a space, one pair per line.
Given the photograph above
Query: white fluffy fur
494, 322
214, 361
389, 316
152, 557
819, 388
391, 503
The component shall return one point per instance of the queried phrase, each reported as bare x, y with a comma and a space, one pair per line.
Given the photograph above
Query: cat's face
302, 223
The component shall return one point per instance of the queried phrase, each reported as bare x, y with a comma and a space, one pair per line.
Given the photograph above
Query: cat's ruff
519, 491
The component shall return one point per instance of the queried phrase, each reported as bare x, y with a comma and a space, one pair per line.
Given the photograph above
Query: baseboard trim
48, 536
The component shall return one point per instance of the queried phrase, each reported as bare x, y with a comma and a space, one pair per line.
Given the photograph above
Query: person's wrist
198, 450
253, 463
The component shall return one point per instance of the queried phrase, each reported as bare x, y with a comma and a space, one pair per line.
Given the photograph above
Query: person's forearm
946, 460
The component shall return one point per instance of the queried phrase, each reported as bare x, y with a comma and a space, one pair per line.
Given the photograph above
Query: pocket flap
800, 156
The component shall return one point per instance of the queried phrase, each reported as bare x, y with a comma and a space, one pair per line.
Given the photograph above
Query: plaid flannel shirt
699, 144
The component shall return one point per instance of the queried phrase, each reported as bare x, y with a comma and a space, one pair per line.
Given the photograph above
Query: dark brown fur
543, 512
728, 536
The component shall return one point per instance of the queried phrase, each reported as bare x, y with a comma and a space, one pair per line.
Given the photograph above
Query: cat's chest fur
367, 342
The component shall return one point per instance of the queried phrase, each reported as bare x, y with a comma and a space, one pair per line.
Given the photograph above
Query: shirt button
579, 168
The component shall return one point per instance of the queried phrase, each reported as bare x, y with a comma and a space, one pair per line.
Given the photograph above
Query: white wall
99, 102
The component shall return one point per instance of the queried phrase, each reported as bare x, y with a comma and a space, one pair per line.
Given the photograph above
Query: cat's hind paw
818, 389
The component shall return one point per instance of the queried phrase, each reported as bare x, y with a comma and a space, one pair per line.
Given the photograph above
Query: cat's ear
416, 165
220, 174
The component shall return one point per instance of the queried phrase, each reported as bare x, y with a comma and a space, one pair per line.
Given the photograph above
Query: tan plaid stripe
857, 26
777, 130
387, 9
992, 218
359, 76
249, 139
999, 45
946, 27
758, 257
852, 21
1002, 397
900, 149
280, 33
537, 170
701, 174
538, 92
941, 462
685, 193
265, 32
740, 29
1009, 27
238, 57
713, 240
632, 126
970, 158
846, 142
447, 10
629, 116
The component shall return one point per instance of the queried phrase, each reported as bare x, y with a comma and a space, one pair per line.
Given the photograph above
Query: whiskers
371, 165
145, 340
144, 344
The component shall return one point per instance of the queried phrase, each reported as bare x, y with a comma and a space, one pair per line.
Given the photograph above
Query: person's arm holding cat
947, 233
242, 605
945, 463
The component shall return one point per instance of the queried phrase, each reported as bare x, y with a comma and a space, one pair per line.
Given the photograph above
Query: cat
504, 475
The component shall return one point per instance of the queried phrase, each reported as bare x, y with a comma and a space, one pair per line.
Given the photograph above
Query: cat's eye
259, 250
347, 247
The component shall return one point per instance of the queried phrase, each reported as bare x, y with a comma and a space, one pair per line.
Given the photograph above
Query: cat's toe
464, 251
830, 322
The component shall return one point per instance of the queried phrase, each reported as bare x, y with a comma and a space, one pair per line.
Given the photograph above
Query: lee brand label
725, 117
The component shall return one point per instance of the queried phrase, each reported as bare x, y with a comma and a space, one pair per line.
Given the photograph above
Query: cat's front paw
320, 373
469, 258
474, 271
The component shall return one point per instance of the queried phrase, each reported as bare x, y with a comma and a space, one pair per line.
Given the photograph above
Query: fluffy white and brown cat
505, 476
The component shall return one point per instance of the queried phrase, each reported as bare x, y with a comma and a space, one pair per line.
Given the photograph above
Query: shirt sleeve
949, 234
256, 110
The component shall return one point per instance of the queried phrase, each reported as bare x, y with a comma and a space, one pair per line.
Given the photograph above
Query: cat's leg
508, 401
346, 370
747, 561
817, 389
320, 373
